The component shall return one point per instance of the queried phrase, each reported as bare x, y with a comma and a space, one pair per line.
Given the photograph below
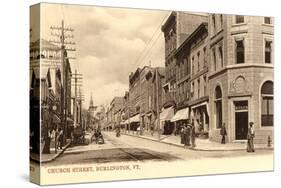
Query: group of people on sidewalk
55, 136
187, 133
250, 136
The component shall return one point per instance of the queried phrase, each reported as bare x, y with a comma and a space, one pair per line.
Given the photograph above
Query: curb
195, 149
56, 155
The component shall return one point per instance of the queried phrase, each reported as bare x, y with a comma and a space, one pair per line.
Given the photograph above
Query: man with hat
250, 137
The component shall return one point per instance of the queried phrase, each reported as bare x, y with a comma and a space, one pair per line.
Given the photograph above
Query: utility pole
77, 83
61, 33
157, 100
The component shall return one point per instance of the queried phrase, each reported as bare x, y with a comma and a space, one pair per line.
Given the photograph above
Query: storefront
166, 125
199, 114
179, 118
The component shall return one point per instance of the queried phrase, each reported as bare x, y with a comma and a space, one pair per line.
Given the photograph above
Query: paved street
128, 148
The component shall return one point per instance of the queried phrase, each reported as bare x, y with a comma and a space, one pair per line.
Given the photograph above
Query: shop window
267, 104
218, 107
267, 51
240, 52
239, 19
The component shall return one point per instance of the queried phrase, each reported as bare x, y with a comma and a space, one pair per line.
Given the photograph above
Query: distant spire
91, 101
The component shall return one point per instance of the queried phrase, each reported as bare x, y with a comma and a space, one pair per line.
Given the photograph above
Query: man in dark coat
250, 137
223, 133
192, 134
188, 134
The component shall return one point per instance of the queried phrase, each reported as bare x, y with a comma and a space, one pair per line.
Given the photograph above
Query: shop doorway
241, 120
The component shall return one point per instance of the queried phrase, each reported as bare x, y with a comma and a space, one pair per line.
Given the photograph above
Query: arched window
218, 107
267, 104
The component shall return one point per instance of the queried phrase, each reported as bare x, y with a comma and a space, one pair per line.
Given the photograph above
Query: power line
147, 44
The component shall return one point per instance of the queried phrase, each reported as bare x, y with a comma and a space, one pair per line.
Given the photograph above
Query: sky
110, 44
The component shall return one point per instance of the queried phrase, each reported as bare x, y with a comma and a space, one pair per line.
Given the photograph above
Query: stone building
241, 76
176, 29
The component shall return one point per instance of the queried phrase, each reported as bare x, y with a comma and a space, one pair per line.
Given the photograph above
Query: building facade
192, 79
177, 28
241, 76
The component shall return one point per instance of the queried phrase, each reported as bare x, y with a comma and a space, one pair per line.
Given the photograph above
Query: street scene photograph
133, 86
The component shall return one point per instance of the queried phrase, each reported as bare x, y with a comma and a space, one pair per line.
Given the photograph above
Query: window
214, 59
218, 107
240, 51
198, 89
267, 20
198, 57
267, 104
205, 56
205, 86
239, 19
221, 20
192, 90
192, 62
267, 51
221, 55
214, 22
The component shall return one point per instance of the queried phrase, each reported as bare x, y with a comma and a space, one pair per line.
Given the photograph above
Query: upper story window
221, 20
205, 56
267, 52
214, 23
214, 58
267, 20
192, 63
198, 59
198, 88
221, 55
239, 19
240, 52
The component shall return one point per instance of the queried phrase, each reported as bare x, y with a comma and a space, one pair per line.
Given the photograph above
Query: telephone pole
157, 100
77, 95
62, 33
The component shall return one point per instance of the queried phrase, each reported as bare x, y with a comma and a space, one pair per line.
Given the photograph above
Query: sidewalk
201, 144
50, 157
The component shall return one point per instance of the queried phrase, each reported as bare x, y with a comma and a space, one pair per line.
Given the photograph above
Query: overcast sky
108, 43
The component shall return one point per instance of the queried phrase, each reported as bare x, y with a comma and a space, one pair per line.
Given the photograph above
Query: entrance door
241, 125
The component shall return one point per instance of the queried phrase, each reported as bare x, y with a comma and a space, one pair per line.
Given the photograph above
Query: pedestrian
188, 134
182, 134
60, 138
192, 135
250, 137
223, 133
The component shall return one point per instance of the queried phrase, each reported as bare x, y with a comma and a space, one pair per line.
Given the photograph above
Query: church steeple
91, 101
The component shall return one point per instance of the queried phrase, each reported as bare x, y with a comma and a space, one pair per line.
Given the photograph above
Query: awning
135, 118
181, 115
201, 104
167, 114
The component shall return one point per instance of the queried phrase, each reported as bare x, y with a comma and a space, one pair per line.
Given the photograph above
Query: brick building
192, 79
142, 97
176, 29
241, 76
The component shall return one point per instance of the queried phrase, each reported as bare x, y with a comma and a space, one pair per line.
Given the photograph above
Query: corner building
241, 76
